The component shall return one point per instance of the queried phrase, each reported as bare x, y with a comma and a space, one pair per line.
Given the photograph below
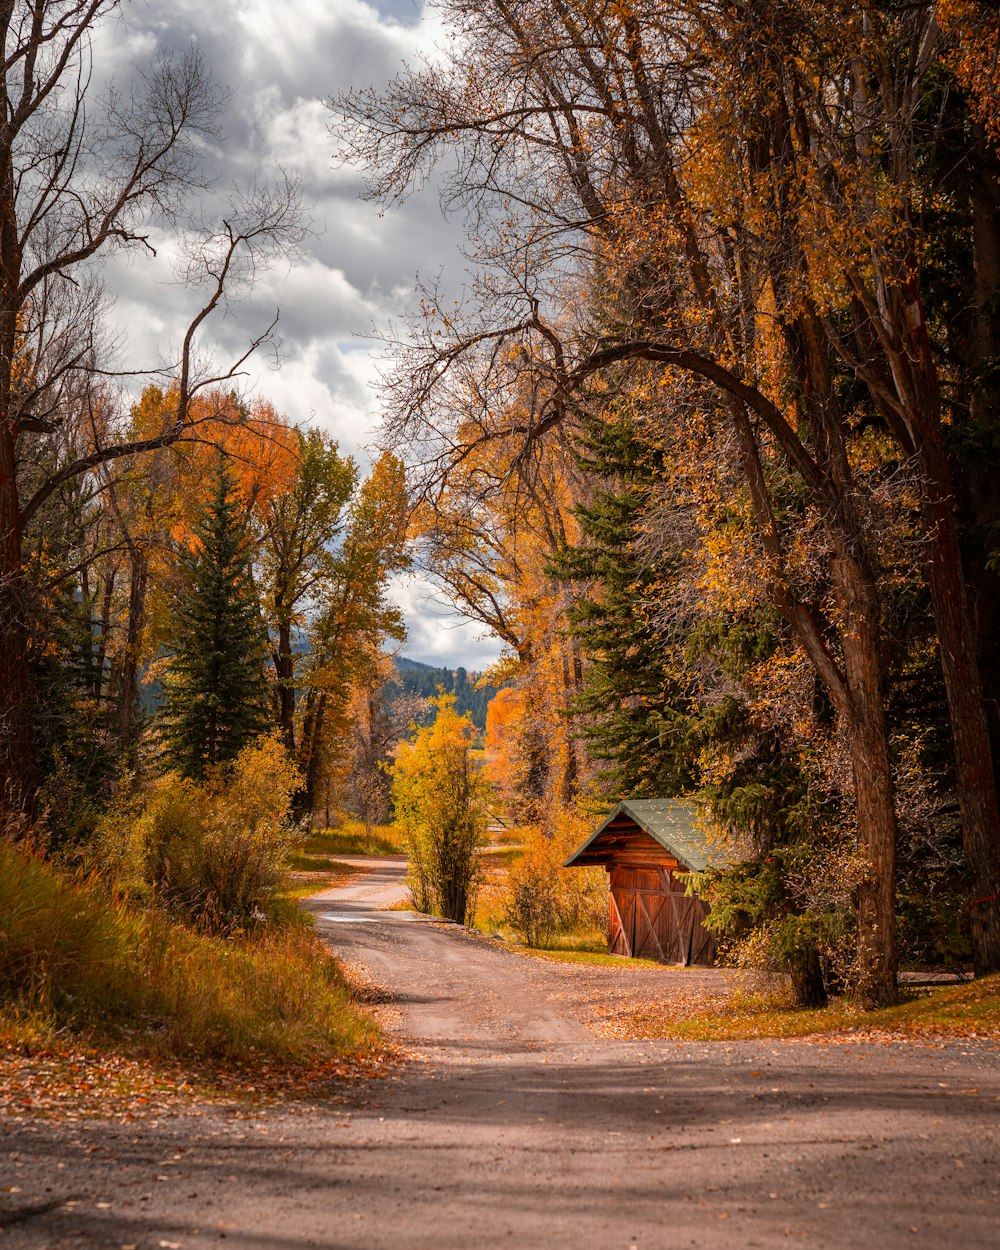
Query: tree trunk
18, 761
871, 764
310, 751
858, 696
975, 776
285, 672
128, 683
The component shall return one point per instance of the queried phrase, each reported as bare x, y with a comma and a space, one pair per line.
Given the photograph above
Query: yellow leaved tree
440, 797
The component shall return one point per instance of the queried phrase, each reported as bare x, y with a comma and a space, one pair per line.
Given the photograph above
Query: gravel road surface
516, 1124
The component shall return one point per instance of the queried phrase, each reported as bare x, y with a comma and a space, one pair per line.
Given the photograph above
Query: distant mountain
424, 680
414, 666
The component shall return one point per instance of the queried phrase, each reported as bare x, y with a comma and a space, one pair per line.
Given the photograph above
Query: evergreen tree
216, 696
631, 710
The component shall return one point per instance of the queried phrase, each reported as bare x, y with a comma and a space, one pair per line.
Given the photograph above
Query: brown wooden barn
643, 844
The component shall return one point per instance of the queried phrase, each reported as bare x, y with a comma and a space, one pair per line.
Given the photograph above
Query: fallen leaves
67, 1081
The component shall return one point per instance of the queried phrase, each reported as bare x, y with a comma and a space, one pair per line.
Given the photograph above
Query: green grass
319, 863
74, 961
306, 889
351, 839
501, 856
594, 958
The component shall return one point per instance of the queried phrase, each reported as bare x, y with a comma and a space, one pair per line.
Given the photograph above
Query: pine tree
216, 697
631, 710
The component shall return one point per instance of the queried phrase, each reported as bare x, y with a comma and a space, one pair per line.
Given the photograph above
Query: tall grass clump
66, 950
76, 959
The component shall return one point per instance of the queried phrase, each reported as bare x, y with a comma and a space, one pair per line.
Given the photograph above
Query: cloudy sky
280, 61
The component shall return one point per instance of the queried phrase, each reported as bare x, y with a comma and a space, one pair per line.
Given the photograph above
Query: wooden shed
643, 843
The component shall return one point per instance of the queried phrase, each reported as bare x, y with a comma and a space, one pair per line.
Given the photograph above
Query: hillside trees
83, 177
739, 199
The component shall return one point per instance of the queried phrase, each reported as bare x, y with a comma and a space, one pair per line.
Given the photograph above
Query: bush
213, 853
766, 923
541, 898
72, 957
63, 946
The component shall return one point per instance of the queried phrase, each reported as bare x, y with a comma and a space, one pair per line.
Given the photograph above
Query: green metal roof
667, 822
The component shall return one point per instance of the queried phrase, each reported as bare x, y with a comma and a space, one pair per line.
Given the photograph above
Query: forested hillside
424, 681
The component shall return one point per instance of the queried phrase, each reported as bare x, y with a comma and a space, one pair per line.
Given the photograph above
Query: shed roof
667, 822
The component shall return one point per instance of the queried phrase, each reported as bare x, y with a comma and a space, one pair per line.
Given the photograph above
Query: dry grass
74, 962
971, 1009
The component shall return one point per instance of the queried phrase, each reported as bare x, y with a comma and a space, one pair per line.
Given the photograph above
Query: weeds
71, 958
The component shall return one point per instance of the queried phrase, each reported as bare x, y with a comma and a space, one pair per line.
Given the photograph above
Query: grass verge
593, 958
971, 1009
80, 972
351, 838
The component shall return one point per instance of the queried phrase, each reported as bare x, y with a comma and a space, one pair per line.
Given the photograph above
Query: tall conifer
216, 698
631, 709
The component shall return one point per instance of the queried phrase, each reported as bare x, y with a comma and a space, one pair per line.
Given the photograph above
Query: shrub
768, 923
63, 945
213, 853
72, 957
541, 898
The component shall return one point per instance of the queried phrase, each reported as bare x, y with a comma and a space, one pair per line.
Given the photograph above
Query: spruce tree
216, 694
631, 711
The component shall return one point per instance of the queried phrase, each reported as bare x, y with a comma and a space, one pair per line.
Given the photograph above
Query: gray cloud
280, 62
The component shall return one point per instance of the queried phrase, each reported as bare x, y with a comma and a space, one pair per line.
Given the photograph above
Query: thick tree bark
858, 696
915, 368
975, 775
18, 760
871, 765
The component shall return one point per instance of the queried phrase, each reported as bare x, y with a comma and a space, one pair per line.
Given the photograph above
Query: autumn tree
299, 524
82, 178
440, 801
354, 618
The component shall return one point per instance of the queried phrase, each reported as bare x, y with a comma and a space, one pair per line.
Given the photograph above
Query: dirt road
517, 1125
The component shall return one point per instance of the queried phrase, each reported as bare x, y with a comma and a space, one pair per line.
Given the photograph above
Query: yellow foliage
440, 798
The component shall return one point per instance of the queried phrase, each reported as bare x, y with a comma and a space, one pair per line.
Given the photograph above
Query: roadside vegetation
175, 937
527, 896
78, 963
970, 1009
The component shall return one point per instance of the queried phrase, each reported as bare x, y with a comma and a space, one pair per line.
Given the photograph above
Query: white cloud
436, 634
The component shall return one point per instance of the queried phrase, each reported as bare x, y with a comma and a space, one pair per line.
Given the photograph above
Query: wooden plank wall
651, 917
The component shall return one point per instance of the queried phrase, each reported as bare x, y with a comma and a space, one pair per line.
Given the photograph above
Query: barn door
649, 902
619, 941
650, 917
